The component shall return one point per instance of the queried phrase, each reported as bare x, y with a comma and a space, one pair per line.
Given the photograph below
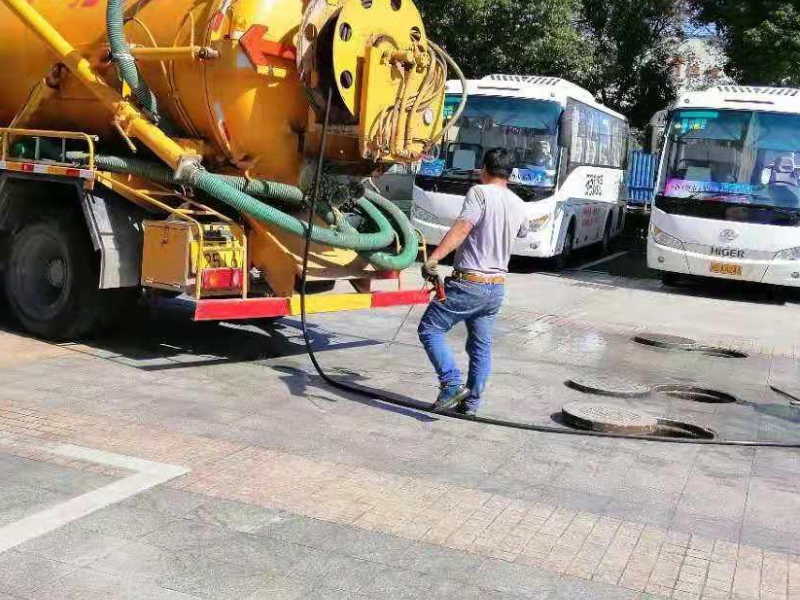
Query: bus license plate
726, 268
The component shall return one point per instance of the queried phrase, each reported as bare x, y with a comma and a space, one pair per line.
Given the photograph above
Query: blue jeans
477, 304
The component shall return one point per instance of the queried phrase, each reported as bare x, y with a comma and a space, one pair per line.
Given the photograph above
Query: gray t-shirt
498, 217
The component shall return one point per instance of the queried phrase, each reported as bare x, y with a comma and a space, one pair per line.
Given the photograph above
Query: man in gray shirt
482, 236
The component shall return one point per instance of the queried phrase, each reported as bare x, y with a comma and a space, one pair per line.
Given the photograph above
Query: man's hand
430, 270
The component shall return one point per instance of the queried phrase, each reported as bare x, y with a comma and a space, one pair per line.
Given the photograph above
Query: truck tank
209, 116
240, 75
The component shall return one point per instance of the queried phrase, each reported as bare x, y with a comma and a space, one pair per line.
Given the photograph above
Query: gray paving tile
166, 500
235, 515
148, 562
515, 579
283, 588
571, 588
440, 562
217, 580
124, 521
347, 573
72, 545
18, 500
22, 573
706, 525
86, 584
398, 584
187, 535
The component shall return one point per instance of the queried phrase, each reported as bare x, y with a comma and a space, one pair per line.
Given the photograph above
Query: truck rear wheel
51, 280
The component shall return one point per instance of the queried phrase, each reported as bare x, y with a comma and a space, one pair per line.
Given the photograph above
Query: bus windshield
528, 128
744, 165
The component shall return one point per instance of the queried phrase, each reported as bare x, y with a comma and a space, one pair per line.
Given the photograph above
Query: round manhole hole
695, 394
609, 384
662, 340
607, 418
718, 352
679, 429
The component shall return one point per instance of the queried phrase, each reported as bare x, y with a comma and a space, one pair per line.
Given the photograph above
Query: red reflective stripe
28, 167
237, 308
386, 275
398, 298
73, 172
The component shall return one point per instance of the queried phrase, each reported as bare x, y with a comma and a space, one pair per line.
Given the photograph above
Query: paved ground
298, 491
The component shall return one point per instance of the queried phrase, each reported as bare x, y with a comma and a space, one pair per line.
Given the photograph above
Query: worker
482, 236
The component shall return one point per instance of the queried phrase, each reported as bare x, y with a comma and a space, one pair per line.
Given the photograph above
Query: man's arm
452, 240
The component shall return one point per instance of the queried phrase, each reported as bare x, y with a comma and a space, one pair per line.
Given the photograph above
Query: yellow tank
244, 79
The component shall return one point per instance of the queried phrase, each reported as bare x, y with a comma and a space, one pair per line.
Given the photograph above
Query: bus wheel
605, 244
51, 280
562, 260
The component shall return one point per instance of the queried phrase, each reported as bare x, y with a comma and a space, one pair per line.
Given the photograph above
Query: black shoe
449, 398
463, 409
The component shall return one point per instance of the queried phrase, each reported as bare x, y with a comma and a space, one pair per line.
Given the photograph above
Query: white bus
570, 159
728, 194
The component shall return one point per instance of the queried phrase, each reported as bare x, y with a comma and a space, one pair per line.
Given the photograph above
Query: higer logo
728, 252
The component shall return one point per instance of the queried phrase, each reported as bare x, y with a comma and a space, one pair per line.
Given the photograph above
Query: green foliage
508, 36
760, 38
632, 44
618, 49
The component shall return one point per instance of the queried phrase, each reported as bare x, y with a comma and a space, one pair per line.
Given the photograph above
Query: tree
618, 49
633, 43
760, 38
526, 37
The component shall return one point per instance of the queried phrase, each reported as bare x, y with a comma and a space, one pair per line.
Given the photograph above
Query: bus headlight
662, 238
538, 223
788, 254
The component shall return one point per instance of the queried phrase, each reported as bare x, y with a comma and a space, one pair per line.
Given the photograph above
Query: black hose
391, 399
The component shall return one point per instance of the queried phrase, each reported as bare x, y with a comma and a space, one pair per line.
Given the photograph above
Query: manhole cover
694, 393
608, 418
662, 340
609, 384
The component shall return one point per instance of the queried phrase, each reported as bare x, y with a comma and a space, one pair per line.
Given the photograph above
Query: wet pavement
296, 490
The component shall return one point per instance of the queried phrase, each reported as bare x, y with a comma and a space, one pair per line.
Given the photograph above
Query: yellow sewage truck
170, 146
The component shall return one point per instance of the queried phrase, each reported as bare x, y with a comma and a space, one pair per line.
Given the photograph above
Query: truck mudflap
229, 309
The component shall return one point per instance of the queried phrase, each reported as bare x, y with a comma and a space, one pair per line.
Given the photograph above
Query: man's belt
475, 278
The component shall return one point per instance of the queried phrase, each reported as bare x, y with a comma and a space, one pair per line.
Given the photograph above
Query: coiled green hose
121, 54
236, 192
409, 241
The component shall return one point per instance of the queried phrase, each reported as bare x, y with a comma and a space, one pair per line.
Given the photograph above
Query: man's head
497, 164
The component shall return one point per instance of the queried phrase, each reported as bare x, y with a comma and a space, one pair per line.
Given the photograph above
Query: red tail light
222, 279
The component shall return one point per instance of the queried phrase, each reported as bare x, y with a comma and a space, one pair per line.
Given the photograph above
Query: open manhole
609, 384
718, 352
678, 429
615, 419
662, 340
695, 394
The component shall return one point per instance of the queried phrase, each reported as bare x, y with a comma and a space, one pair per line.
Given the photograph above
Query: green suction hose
229, 189
409, 242
121, 54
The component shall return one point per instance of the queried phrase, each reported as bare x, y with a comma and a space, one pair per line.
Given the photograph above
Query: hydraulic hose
121, 54
229, 189
409, 242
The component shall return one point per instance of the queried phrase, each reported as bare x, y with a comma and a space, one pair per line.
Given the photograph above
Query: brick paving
581, 544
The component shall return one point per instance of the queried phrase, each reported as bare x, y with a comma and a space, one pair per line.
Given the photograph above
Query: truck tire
51, 280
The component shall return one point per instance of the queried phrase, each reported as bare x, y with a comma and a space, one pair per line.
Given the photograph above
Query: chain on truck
170, 146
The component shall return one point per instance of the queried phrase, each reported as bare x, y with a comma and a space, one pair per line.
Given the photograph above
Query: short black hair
498, 162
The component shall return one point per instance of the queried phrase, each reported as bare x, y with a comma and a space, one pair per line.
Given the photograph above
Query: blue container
642, 172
